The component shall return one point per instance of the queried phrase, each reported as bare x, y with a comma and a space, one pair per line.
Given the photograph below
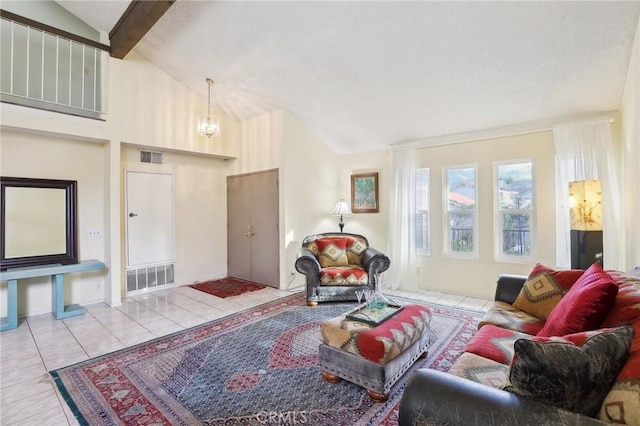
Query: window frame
446, 223
420, 251
498, 214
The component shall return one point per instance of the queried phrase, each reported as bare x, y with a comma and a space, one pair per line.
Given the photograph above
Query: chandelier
209, 125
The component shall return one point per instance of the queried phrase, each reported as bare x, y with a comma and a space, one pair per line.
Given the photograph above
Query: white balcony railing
46, 68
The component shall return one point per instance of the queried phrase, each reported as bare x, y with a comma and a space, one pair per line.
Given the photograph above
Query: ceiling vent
150, 157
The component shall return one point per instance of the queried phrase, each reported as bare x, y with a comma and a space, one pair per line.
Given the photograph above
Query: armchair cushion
355, 248
344, 275
573, 372
332, 251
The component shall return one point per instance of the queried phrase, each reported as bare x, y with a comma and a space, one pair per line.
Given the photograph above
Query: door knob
133, 214
249, 232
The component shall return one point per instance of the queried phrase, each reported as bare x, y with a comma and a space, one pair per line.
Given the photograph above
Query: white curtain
402, 213
585, 151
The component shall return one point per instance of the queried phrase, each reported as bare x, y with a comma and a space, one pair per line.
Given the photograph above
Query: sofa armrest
306, 263
509, 287
436, 398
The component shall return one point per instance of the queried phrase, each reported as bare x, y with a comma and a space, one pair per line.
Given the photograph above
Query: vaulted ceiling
365, 75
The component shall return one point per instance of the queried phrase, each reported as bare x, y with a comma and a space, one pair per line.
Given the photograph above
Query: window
422, 229
461, 211
514, 210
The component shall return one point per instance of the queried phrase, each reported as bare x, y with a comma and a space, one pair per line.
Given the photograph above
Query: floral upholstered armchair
338, 264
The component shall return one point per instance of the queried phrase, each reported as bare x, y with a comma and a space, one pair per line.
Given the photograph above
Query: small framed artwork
364, 193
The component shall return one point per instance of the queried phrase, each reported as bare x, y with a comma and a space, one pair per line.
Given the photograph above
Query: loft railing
47, 68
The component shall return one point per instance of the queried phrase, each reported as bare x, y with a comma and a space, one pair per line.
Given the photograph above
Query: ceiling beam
134, 23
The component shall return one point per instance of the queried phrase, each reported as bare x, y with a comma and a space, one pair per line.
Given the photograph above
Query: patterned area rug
256, 367
227, 287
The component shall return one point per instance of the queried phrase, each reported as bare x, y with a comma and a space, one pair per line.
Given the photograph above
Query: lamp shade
585, 205
342, 208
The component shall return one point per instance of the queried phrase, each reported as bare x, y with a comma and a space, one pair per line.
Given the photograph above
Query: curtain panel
402, 213
585, 151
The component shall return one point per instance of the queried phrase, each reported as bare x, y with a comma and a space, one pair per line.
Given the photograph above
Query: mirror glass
36, 218
38, 222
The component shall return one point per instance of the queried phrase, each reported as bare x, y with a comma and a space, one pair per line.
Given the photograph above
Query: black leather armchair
326, 284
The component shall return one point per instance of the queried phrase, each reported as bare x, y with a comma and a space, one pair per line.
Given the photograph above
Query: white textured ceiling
364, 75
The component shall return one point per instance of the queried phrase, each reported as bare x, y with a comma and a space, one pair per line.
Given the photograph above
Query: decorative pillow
332, 251
355, 247
585, 305
544, 289
622, 404
573, 372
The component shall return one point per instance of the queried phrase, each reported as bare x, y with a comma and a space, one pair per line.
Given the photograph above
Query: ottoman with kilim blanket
374, 357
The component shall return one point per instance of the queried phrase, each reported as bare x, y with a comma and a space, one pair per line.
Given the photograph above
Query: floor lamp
585, 209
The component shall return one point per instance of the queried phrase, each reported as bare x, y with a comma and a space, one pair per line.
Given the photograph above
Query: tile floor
41, 343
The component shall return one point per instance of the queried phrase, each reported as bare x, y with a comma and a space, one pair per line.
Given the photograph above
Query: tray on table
375, 316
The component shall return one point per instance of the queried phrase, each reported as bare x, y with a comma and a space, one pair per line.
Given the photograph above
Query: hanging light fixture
209, 125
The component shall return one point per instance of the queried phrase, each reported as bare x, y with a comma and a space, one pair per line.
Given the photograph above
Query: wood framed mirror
38, 223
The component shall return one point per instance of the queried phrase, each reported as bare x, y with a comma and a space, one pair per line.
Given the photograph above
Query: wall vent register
149, 277
150, 157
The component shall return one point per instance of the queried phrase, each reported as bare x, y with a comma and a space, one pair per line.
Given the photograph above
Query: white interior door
149, 218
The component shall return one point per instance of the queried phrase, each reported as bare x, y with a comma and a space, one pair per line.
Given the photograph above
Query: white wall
148, 107
374, 226
308, 173
630, 117
50, 13
49, 157
477, 277
200, 211
309, 184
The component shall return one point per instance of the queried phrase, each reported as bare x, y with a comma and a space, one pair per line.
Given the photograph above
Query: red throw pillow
585, 305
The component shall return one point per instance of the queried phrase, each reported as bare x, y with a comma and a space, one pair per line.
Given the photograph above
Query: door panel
238, 219
149, 217
264, 243
252, 208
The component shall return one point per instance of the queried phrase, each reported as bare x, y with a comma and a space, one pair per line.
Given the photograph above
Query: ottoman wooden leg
377, 397
331, 378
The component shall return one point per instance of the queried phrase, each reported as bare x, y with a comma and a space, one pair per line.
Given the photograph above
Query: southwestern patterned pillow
355, 247
332, 251
573, 372
544, 289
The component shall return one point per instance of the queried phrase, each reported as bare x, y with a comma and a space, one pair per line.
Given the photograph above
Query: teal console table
57, 272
